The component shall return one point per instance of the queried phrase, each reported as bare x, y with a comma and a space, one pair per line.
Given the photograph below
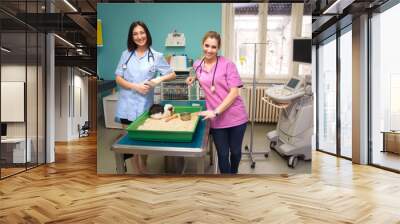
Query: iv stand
249, 150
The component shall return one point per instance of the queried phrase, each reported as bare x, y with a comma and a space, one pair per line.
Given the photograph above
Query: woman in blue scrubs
136, 75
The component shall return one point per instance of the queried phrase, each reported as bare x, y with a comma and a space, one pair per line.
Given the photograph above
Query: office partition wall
385, 89
31, 99
327, 95
334, 94
41, 97
13, 74
346, 92
23, 87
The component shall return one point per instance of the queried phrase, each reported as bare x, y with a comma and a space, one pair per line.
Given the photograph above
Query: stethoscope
201, 69
149, 55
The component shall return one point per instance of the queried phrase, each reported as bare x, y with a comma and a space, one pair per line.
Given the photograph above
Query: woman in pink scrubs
220, 81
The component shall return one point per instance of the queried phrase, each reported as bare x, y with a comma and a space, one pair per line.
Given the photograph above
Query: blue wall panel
193, 19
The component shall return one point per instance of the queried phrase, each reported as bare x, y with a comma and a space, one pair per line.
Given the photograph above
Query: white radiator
263, 112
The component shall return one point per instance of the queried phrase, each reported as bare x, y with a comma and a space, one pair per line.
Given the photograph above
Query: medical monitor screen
293, 83
302, 50
3, 129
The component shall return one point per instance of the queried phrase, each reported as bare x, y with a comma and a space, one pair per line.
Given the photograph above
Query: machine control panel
280, 91
284, 94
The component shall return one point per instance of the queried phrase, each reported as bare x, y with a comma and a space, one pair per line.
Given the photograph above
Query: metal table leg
119, 159
210, 149
200, 165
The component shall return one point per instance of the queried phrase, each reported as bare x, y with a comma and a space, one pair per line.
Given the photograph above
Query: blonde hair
212, 35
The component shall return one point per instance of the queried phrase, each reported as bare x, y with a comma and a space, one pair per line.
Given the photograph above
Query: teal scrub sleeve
162, 65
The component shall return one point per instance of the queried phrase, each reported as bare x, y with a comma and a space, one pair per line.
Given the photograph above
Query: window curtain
228, 18
271, 17
261, 48
297, 22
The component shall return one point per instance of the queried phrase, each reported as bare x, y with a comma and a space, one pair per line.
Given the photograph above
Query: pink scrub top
226, 77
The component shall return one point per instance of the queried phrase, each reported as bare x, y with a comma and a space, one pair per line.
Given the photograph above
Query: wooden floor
69, 191
10, 171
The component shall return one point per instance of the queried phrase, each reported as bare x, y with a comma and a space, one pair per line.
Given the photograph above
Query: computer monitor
3, 129
302, 50
293, 84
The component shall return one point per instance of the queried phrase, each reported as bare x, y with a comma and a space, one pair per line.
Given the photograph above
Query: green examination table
198, 148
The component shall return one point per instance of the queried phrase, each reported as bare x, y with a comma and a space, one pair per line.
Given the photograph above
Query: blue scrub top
131, 104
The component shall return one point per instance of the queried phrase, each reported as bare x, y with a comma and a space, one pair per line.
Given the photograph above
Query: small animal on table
164, 119
159, 112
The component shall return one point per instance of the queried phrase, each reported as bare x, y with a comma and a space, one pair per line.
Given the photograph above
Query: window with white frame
278, 30
278, 46
246, 31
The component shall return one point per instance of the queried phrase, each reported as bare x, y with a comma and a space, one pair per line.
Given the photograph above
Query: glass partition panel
327, 96
41, 79
22, 88
14, 152
346, 94
385, 89
31, 98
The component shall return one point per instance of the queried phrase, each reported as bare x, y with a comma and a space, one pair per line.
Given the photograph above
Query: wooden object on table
391, 141
185, 116
171, 117
194, 114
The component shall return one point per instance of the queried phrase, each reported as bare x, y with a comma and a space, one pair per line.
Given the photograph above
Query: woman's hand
141, 88
153, 82
207, 114
190, 80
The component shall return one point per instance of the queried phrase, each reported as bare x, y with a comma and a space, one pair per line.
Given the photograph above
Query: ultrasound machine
292, 137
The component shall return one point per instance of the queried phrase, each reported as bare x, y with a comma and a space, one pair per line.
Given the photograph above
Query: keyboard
280, 92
